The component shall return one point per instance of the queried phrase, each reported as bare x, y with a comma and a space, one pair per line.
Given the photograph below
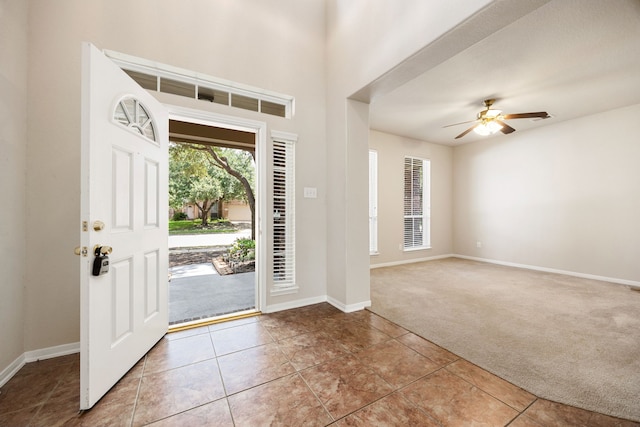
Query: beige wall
562, 197
281, 46
365, 39
565, 196
13, 152
276, 45
391, 152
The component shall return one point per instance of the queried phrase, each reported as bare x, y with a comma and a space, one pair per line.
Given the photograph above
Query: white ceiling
570, 58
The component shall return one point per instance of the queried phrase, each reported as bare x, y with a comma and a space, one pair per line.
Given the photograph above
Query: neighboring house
232, 210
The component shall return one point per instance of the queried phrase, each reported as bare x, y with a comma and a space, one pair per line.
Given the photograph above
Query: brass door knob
104, 250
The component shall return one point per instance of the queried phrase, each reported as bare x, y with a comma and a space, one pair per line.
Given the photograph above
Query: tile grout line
317, 398
523, 411
489, 393
135, 401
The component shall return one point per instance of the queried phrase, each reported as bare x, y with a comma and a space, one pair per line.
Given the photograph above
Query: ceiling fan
490, 121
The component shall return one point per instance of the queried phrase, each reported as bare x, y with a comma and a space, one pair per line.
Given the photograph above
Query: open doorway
212, 241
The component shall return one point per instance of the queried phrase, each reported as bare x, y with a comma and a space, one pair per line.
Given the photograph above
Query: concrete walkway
197, 291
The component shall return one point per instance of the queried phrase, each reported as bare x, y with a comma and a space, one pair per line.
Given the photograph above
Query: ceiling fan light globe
481, 130
488, 128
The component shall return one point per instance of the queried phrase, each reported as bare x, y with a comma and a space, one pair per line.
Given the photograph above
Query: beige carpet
567, 339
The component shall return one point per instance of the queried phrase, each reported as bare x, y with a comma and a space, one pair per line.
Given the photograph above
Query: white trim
157, 69
260, 129
51, 352
633, 283
7, 373
317, 300
284, 198
409, 261
416, 248
207, 118
284, 136
348, 308
294, 304
33, 356
553, 270
425, 216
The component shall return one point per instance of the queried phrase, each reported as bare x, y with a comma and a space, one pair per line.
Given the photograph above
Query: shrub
179, 216
243, 249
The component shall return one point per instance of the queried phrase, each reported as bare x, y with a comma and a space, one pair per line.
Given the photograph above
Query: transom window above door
152, 75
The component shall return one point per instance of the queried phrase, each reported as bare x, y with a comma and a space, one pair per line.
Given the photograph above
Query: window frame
159, 77
283, 191
422, 211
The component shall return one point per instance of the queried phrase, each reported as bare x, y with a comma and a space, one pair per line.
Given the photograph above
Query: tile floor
309, 366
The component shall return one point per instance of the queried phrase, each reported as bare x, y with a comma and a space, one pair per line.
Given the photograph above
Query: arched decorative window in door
131, 114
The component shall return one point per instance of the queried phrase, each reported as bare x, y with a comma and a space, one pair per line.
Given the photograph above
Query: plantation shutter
416, 203
284, 274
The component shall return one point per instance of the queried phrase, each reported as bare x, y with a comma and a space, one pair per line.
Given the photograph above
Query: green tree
232, 169
239, 164
191, 181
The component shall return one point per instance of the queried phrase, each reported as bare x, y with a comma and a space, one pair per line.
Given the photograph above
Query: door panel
124, 185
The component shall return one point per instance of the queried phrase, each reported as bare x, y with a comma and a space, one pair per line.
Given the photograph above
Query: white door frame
260, 130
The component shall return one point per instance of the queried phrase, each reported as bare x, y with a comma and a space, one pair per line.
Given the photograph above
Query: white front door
124, 312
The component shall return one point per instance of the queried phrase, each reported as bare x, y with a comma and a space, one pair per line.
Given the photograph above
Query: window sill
374, 253
420, 248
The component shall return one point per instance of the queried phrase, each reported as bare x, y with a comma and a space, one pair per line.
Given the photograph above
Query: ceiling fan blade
461, 123
541, 114
465, 132
506, 129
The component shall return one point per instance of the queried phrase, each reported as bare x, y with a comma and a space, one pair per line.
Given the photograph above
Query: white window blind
417, 202
284, 272
373, 202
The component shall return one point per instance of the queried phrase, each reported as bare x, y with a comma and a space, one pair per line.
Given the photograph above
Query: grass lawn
195, 227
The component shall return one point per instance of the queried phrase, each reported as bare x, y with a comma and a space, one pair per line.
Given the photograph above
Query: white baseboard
552, 270
51, 352
32, 356
409, 261
348, 308
632, 283
294, 304
7, 373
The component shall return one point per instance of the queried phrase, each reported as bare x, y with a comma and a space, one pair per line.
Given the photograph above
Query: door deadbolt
81, 251
98, 225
